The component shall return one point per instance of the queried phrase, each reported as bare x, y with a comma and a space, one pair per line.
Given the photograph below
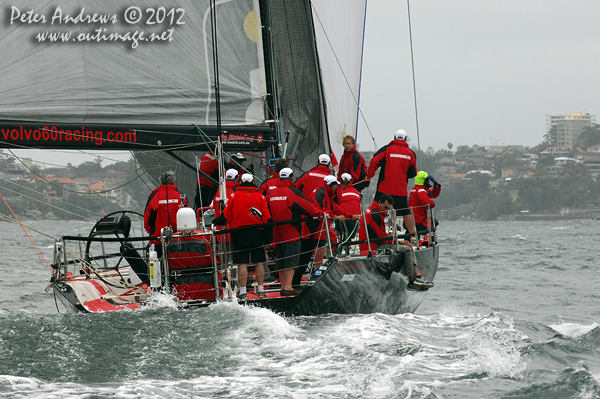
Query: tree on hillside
550, 138
589, 136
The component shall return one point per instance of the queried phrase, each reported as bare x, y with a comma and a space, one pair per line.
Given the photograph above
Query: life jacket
286, 203
397, 164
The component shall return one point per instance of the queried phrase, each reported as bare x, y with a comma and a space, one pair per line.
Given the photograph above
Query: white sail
339, 28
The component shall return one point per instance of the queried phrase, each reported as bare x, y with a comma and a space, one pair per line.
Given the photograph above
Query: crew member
353, 163
426, 187
313, 234
236, 162
272, 183
287, 203
375, 228
218, 203
247, 207
313, 179
397, 164
349, 200
162, 206
205, 189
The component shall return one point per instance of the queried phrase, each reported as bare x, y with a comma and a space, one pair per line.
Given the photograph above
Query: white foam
573, 330
159, 300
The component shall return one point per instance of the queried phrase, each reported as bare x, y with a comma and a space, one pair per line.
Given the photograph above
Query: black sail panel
299, 86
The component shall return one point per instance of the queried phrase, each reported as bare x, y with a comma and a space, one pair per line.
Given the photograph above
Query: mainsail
87, 75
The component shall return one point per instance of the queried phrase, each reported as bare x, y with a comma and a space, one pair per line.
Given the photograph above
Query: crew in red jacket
353, 163
287, 203
312, 179
349, 200
205, 189
420, 197
313, 234
162, 206
273, 182
247, 207
231, 177
397, 164
375, 220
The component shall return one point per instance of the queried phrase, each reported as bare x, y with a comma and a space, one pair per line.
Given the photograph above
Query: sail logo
241, 138
54, 134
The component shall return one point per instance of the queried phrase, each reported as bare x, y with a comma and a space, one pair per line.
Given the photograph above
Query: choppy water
514, 314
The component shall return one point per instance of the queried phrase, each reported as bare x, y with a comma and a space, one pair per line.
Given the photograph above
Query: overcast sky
483, 68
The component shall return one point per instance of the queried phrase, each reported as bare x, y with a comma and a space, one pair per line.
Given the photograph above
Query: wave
571, 383
573, 330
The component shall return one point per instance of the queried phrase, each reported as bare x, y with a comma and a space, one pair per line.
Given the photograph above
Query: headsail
339, 29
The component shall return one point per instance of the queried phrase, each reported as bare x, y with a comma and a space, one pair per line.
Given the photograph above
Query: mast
272, 110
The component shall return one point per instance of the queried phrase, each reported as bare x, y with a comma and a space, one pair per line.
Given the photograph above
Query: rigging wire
84, 193
50, 205
412, 60
30, 239
206, 136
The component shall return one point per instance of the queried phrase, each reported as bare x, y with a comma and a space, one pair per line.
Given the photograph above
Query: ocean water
514, 314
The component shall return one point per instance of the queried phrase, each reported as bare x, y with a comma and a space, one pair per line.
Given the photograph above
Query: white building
569, 127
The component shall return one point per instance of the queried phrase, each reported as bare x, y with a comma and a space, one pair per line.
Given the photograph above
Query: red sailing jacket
418, 201
285, 203
353, 162
375, 218
435, 191
398, 163
269, 185
322, 197
349, 199
238, 212
209, 165
161, 209
312, 179
230, 187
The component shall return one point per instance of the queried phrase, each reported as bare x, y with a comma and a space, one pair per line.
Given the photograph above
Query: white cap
231, 174
400, 135
324, 159
247, 177
238, 155
329, 180
346, 176
285, 173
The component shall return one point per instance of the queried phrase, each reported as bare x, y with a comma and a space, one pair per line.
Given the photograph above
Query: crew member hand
356, 217
341, 218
